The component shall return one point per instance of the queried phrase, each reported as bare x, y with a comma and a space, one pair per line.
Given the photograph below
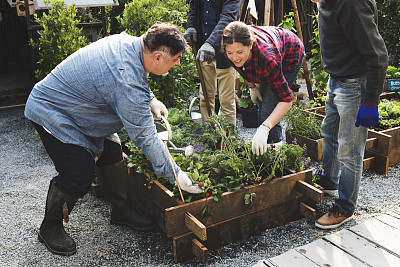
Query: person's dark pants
74, 164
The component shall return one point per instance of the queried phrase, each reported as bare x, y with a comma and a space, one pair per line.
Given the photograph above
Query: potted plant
247, 108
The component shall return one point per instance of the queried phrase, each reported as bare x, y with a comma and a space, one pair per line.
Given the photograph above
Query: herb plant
389, 114
303, 123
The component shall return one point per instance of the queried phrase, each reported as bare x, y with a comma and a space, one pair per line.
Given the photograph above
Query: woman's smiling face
238, 53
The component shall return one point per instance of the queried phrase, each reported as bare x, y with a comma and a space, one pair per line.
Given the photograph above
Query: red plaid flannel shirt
275, 51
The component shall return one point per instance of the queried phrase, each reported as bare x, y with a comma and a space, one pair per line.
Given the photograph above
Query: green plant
59, 38
304, 123
245, 100
392, 72
288, 22
248, 198
389, 20
389, 114
319, 76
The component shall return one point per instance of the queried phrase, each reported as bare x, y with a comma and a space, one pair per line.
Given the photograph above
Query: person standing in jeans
206, 22
355, 56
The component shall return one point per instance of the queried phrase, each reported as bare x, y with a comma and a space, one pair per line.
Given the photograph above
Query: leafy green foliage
303, 123
220, 170
389, 20
389, 114
245, 100
319, 76
59, 38
248, 198
288, 22
392, 72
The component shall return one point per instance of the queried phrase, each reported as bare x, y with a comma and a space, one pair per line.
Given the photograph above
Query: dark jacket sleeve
364, 36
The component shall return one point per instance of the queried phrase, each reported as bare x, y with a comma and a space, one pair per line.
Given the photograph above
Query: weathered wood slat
290, 258
379, 233
307, 211
378, 142
390, 220
380, 163
238, 228
195, 226
368, 163
268, 194
362, 249
199, 250
310, 191
323, 253
394, 214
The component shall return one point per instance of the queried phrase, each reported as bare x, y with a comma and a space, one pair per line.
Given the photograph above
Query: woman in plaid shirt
271, 57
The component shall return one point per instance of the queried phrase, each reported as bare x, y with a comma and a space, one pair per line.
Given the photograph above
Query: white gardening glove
206, 53
255, 93
158, 108
186, 184
259, 143
190, 33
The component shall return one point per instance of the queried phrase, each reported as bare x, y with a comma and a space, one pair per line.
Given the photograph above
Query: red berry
149, 187
207, 194
242, 186
201, 184
213, 193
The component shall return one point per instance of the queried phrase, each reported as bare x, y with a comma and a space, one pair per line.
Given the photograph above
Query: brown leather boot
52, 233
113, 180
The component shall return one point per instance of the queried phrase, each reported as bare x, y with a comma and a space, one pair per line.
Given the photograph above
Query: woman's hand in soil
259, 143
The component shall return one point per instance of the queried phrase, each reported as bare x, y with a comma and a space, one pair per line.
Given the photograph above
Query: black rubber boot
113, 180
52, 233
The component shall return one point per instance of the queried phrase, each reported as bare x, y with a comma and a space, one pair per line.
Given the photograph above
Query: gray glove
206, 53
190, 33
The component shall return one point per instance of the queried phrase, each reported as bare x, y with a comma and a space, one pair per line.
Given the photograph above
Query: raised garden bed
278, 201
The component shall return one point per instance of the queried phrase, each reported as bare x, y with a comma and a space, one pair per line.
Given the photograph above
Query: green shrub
59, 38
389, 21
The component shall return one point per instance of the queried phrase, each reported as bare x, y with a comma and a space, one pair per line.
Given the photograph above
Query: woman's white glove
186, 184
259, 143
158, 108
255, 93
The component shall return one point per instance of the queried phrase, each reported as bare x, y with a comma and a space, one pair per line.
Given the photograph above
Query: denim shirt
94, 93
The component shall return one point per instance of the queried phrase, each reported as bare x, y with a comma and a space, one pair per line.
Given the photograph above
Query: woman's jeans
344, 143
269, 102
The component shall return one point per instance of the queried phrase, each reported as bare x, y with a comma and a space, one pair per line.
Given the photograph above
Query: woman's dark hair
237, 31
164, 36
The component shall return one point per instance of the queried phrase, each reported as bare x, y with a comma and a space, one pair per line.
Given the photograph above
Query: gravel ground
26, 170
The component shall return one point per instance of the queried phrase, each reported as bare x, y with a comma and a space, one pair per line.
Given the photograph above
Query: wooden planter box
277, 202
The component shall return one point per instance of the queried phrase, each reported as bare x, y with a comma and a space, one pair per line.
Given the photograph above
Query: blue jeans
269, 102
344, 144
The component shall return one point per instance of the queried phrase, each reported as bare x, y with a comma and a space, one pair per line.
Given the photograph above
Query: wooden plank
238, 228
394, 153
380, 162
394, 214
390, 220
362, 249
290, 258
310, 191
324, 253
378, 142
307, 211
199, 250
368, 163
314, 147
268, 194
380, 234
195, 226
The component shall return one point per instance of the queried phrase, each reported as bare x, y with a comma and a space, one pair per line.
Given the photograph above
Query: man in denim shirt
78, 108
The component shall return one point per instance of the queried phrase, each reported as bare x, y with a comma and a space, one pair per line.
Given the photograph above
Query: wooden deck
375, 242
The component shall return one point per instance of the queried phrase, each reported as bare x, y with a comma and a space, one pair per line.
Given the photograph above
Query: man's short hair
164, 37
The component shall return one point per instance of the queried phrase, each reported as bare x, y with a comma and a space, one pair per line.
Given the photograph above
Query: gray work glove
186, 184
206, 53
158, 108
259, 143
190, 33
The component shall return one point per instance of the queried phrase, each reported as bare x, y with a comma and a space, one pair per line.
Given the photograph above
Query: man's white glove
186, 184
206, 53
255, 93
259, 143
190, 33
158, 108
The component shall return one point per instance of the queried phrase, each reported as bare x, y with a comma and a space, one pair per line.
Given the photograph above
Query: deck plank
379, 233
362, 249
290, 258
324, 253
389, 220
